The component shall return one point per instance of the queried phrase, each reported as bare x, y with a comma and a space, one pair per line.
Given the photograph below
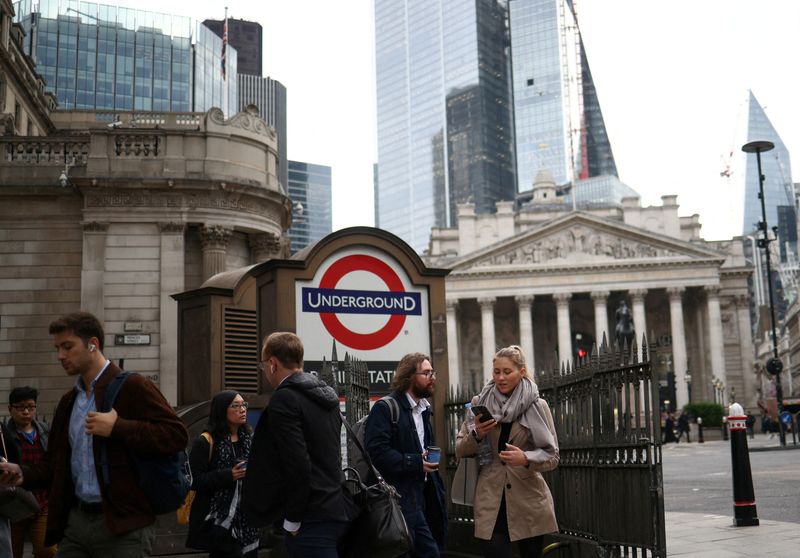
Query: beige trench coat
529, 504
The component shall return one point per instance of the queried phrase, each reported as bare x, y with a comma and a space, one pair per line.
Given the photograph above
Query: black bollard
700, 439
725, 428
744, 499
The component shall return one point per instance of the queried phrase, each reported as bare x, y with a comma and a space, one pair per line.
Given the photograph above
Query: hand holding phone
481, 413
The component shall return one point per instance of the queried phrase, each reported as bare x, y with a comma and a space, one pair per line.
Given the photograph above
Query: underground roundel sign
363, 299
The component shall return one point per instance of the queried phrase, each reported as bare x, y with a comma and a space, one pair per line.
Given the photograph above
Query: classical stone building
114, 213
552, 279
142, 211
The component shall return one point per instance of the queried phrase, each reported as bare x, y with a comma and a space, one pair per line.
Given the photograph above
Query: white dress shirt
417, 408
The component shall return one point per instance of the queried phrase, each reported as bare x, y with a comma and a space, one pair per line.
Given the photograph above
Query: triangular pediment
580, 239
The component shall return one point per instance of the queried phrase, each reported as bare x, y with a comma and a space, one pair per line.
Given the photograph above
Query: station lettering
342, 301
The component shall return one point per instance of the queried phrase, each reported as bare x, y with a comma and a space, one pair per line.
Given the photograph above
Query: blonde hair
516, 356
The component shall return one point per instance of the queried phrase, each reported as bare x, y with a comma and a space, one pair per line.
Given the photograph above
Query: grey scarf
522, 406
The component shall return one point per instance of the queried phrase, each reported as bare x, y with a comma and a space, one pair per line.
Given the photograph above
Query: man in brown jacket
88, 518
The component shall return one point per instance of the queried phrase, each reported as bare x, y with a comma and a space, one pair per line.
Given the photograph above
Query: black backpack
162, 478
355, 458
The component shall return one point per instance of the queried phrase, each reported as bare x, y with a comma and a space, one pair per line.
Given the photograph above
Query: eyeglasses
237, 406
260, 366
427, 374
20, 408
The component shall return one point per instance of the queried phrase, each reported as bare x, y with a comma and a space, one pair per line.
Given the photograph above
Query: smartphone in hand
481, 413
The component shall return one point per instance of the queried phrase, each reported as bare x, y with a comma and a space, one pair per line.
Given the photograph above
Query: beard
422, 392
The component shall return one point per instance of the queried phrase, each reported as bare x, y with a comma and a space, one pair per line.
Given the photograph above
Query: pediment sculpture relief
578, 244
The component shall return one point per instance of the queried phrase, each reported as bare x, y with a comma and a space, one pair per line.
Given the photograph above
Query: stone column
172, 281
679, 361
746, 349
452, 343
215, 240
716, 345
487, 334
600, 299
264, 246
524, 304
564, 327
639, 319
93, 268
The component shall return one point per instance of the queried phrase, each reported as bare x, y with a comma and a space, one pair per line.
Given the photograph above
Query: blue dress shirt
84, 475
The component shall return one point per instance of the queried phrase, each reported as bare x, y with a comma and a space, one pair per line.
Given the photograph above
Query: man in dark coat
399, 452
87, 517
683, 426
294, 474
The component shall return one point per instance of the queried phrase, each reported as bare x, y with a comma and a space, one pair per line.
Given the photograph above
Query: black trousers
500, 544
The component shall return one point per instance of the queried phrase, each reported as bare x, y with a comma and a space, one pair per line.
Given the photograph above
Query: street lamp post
774, 365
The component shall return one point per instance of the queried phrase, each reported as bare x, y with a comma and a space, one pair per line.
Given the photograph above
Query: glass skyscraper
444, 112
103, 57
557, 118
779, 192
310, 192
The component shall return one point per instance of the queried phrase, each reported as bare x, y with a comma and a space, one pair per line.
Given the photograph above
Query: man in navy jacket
399, 452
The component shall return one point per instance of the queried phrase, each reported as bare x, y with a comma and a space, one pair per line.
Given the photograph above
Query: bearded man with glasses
404, 452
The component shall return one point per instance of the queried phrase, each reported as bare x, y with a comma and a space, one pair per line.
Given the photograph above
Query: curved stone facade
116, 212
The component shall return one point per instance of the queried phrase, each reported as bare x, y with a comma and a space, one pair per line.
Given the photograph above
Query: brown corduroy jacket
146, 423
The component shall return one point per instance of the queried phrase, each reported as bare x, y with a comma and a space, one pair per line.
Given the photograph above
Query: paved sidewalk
713, 536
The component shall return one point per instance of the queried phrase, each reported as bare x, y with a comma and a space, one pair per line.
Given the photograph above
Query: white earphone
92, 347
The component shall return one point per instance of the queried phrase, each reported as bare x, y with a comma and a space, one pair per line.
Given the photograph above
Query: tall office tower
102, 57
779, 191
557, 118
269, 96
444, 116
310, 192
247, 37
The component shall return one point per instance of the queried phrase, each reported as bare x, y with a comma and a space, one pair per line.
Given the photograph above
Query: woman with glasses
512, 501
219, 462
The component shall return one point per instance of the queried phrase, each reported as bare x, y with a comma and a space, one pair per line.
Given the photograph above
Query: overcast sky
671, 75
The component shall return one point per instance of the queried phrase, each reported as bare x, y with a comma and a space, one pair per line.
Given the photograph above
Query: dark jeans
500, 544
316, 539
424, 544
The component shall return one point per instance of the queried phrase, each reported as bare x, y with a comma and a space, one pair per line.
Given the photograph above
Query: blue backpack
162, 478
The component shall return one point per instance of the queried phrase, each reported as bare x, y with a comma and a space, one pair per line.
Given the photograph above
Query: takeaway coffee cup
434, 454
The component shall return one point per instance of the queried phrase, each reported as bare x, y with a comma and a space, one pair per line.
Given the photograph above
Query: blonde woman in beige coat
512, 501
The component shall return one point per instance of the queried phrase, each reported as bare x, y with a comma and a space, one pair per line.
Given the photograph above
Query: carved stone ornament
266, 244
243, 120
215, 237
95, 226
579, 244
180, 200
171, 227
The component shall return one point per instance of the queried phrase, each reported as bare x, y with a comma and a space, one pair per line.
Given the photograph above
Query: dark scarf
225, 511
